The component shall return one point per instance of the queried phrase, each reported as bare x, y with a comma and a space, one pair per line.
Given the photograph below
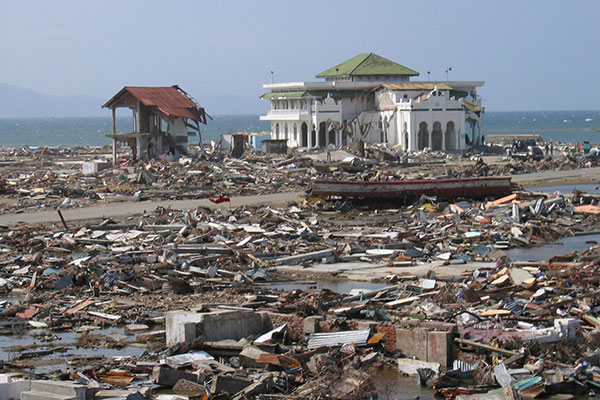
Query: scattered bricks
186, 387
389, 336
229, 384
295, 324
168, 377
312, 324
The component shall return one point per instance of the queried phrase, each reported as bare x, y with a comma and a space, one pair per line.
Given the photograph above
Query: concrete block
10, 377
567, 328
192, 330
175, 326
166, 376
426, 345
93, 167
439, 348
184, 386
312, 324
232, 325
249, 355
412, 342
229, 384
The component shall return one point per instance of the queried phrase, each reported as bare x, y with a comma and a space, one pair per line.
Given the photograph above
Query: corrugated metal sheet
471, 107
516, 307
284, 95
334, 339
168, 100
464, 366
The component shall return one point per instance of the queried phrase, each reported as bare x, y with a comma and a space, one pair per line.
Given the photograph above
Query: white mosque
375, 97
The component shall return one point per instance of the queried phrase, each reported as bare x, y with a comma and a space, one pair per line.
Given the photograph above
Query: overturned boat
403, 189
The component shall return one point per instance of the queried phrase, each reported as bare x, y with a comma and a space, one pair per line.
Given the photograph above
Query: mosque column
444, 136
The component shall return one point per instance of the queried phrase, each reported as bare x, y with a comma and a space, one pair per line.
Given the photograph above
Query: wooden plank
79, 307
410, 299
111, 317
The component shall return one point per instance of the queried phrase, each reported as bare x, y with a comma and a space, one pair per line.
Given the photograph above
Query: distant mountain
16, 102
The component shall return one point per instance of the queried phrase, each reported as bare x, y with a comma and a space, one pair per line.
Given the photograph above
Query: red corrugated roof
167, 100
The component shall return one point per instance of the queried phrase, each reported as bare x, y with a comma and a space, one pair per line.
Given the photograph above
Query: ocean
562, 126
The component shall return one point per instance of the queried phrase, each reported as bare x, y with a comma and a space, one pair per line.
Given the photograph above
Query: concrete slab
409, 366
369, 272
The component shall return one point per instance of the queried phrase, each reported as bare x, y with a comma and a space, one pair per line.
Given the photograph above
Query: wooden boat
443, 188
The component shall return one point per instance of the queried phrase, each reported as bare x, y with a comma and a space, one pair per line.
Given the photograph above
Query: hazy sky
533, 55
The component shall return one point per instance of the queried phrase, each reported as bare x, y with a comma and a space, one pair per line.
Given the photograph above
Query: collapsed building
160, 123
372, 99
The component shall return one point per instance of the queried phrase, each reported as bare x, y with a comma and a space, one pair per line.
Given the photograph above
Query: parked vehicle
526, 150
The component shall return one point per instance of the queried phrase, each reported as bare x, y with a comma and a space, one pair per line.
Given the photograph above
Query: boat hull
443, 188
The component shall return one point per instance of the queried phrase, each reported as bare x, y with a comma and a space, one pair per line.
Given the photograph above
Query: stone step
57, 387
34, 395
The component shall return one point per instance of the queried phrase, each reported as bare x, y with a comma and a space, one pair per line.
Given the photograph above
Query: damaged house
162, 120
373, 99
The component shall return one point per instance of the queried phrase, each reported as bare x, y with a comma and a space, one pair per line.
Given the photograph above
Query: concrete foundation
11, 389
185, 326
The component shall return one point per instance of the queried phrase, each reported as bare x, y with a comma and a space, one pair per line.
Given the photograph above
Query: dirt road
544, 178
552, 178
128, 208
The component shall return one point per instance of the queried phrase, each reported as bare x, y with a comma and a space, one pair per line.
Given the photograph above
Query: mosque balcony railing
284, 115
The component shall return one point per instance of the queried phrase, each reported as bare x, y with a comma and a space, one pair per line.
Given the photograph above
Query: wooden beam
486, 347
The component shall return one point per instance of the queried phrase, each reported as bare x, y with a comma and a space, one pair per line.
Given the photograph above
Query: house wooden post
133, 119
138, 140
114, 131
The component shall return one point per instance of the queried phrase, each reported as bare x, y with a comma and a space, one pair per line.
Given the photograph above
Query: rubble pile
191, 301
33, 179
189, 287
